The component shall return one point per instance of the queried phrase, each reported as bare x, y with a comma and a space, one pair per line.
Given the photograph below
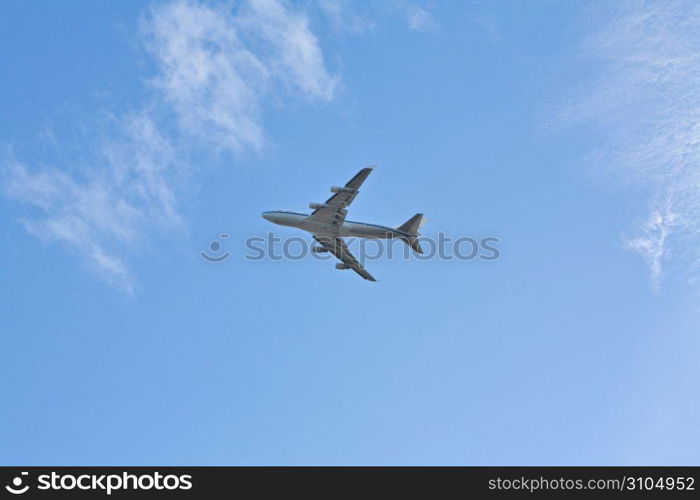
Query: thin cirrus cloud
215, 68
358, 16
102, 211
646, 101
419, 19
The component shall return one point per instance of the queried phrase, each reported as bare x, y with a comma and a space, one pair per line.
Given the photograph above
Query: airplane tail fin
411, 226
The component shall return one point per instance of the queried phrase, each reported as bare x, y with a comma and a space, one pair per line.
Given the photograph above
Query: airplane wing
338, 248
334, 209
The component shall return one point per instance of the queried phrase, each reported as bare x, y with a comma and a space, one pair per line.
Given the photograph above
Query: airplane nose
266, 215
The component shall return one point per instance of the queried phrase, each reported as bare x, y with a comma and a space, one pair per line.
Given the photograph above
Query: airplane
328, 225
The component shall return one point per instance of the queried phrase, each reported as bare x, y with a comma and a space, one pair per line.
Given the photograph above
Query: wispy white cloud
419, 19
215, 68
415, 13
646, 101
102, 211
344, 16
358, 16
217, 65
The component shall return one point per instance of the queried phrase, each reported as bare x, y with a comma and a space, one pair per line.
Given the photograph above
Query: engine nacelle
318, 206
319, 249
341, 266
338, 189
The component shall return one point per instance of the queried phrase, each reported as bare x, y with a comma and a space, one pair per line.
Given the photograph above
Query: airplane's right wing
339, 248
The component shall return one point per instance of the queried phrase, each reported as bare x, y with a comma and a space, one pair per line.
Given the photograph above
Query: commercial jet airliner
328, 226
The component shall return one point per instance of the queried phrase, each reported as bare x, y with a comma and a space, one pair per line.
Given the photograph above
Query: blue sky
134, 134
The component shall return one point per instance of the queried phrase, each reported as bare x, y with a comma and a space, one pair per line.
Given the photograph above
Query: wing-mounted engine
341, 266
338, 189
318, 206
325, 206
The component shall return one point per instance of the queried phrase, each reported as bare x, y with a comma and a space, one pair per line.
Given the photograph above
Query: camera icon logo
16, 488
215, 247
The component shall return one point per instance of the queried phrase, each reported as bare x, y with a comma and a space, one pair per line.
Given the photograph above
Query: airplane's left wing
339, 248
334, 209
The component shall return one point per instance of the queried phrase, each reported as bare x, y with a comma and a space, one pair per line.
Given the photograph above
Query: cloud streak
645, 101
103, 211
216, 65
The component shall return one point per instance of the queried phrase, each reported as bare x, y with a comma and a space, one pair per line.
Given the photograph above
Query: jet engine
341, 266
319, 249
338, 189
318, 206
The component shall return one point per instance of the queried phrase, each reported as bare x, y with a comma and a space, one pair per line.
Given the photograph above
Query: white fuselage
343, 230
